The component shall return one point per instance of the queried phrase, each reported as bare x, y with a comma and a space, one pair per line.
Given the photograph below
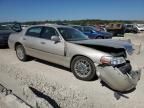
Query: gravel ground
57, 87
10, 101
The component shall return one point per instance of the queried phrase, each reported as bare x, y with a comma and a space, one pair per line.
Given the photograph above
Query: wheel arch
94, 73
17, 43
77, 56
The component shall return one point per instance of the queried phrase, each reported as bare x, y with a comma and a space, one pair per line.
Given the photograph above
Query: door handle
42, 42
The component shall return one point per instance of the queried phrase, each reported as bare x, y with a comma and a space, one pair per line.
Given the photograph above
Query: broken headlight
112, 60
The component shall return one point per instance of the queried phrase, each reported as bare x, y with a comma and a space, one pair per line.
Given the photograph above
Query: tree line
78, 22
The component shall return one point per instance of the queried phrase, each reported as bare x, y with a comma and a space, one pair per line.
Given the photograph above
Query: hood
117, 44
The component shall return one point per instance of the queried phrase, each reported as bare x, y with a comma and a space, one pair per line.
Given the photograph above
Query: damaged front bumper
121, 78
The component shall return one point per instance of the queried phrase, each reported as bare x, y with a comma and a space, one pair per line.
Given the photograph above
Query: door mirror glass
92, 31
55, 38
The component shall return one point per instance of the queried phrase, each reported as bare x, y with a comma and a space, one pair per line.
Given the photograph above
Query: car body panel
116, 79
108, 43
94, 55
45, 49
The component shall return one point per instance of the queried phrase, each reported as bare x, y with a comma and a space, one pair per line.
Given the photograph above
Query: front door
51, 50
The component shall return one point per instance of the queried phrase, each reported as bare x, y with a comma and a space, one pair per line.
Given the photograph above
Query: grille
119, 54
125, 68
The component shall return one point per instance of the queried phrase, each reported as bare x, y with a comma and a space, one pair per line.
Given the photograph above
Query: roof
50, 25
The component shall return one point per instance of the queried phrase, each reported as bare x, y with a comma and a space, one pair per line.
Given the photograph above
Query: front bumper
118, 80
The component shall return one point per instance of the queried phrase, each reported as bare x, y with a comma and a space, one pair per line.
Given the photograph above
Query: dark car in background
92, 33
5, 31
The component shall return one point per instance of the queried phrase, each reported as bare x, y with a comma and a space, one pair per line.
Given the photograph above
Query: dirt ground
55, 86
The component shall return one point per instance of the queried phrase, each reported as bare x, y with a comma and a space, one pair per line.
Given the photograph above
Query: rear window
48, 32
34, 31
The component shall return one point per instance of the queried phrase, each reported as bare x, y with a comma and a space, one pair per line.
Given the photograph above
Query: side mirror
55, 38
92, 31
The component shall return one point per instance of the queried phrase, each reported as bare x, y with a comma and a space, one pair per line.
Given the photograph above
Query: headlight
112, 60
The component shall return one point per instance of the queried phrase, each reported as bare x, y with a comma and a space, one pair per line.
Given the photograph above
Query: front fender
93, 54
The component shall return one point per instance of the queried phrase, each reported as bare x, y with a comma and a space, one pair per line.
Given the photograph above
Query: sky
29, 10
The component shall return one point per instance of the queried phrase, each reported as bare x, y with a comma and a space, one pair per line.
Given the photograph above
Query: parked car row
112, 29
93, 33
87, 58
134, 28
119, 29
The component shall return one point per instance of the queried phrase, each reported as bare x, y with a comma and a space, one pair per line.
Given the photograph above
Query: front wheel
20, 52
99, 37
83, 68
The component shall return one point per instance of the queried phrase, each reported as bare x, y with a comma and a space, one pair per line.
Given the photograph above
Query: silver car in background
86, 58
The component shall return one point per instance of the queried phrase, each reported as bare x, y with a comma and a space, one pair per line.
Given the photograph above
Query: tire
83, 68
20, 52
99, 37
113, 33
135, 31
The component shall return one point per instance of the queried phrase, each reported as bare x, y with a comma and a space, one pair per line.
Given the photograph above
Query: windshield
70, 34
140, 26
94, 28
78, 28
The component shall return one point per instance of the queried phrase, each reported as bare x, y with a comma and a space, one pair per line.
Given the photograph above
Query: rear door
31, 40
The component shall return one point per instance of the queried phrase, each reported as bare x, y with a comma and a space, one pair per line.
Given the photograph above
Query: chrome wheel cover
82, 68
20, 52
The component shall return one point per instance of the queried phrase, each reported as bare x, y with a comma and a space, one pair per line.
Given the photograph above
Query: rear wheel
20, 52
83, 68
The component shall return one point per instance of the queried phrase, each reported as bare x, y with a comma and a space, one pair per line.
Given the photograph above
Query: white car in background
140, 27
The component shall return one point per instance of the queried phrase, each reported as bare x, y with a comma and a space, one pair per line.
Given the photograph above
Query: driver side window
48, 32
